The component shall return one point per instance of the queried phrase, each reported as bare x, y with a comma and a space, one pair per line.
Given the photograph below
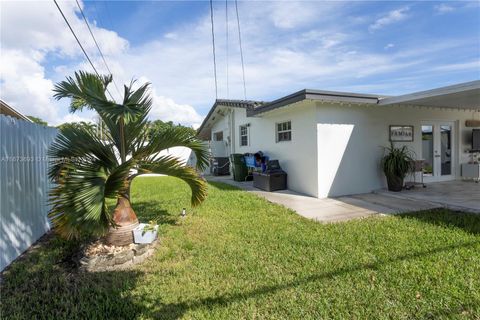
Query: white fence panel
24, 185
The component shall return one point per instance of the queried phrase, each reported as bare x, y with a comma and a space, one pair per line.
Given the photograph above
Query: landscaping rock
124, 256
99, 257
140, 249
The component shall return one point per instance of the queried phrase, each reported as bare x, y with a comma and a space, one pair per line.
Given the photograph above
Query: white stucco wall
336, 149
350, 140
220, 149
297, 157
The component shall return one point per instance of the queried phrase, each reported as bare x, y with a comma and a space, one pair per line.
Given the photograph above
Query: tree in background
103, 168
38, 120
158, 126
82, 125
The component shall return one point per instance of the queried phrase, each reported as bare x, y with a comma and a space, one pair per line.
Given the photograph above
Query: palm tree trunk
122, 140
126, 220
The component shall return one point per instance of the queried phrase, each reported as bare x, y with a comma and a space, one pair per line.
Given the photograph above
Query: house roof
10, 111
204, 129
462, 96
258, 107
315, 95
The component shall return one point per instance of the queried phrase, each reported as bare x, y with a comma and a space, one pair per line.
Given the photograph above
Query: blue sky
388, 47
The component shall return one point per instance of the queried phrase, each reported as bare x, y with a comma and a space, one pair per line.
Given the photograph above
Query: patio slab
333, 209
459, 195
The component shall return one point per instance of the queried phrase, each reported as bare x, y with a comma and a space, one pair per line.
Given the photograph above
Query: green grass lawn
239, 257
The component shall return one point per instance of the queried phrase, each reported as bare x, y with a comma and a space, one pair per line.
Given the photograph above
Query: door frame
436, 175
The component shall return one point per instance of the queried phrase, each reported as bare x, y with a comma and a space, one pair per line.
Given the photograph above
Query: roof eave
221, 103
14, 112
456, 88
308, 94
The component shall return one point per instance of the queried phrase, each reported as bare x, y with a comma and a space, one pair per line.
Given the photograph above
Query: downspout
232, 131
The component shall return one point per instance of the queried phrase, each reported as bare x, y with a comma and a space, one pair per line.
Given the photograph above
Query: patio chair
416, 167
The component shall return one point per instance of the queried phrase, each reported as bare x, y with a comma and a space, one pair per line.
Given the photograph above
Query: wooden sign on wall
401, 133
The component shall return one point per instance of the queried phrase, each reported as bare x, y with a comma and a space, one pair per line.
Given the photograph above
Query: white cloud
24, 85
31, 31
391, 17
389, 46
470, 65
276, 63
287, 46
289, 15
171, 35
166, 109
39, 27
443, 8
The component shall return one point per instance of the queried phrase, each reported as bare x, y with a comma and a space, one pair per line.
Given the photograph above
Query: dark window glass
284, 131
243, 136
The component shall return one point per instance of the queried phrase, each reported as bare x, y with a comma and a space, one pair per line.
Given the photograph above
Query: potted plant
145, 232
396, 163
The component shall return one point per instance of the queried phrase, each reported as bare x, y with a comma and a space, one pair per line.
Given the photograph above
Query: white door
438, 145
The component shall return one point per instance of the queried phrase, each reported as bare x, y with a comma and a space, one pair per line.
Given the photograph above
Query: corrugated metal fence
24, 185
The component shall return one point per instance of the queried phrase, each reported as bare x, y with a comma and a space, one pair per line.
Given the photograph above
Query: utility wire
213, 47
226, 38
79, 43
98, 47
241, 51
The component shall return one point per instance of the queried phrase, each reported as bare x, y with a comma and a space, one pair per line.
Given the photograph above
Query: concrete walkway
333, 209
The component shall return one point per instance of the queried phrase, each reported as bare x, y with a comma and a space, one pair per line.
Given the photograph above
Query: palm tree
93, 170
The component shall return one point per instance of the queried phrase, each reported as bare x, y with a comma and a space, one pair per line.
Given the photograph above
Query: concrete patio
457, 195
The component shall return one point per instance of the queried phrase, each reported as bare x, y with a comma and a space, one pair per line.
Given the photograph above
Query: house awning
460, 96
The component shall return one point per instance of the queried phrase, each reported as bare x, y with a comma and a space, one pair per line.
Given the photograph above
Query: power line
213, 47
226, 36
241, 51
98, 47
79, 43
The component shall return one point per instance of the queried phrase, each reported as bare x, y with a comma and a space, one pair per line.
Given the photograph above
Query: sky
386, 47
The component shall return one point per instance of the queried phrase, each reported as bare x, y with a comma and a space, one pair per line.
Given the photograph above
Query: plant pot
394, 183
144, 236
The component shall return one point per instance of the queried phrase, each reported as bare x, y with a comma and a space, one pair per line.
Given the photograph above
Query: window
284, 131
218, 136
244, 135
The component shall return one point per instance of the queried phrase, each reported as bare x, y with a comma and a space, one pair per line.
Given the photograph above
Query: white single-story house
331, 143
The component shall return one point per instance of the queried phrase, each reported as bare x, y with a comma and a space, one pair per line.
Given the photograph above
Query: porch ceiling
459, 96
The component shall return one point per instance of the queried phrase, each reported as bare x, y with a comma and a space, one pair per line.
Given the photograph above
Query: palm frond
171, 166
85, 90
173, 137
86, 172
77, 143
78, 201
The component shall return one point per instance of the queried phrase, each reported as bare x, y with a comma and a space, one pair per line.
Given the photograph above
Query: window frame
247, 134
217, 134
278, 132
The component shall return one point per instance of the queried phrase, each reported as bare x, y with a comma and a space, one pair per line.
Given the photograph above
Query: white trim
240, 135
283, 131
455, 147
